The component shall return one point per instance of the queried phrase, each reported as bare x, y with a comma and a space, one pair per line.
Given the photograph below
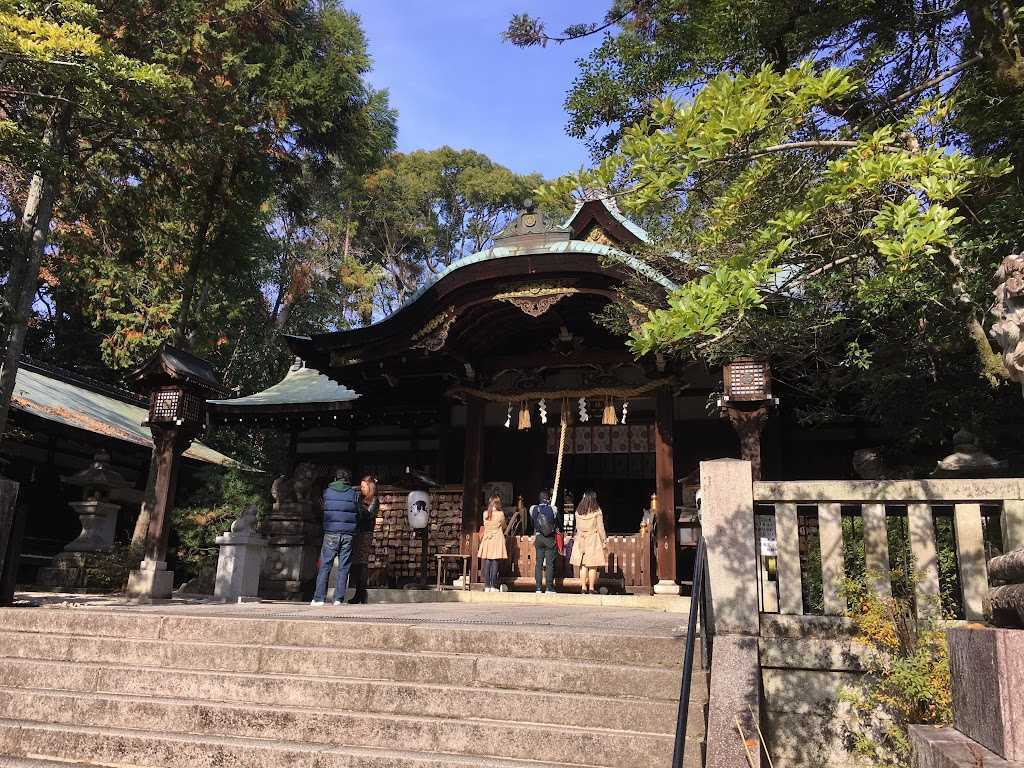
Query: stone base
152, 581
987, 670
937, 747
238, 566
667, 587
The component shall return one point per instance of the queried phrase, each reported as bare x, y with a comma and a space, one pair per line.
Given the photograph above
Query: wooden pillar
665, 489
749, 424
473, 465
152, 579
168, 445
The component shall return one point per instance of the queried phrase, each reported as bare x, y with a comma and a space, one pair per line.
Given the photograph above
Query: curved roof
300, 388
497, 253
53, 399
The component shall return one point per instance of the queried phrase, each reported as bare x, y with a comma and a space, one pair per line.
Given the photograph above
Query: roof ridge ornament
532, 227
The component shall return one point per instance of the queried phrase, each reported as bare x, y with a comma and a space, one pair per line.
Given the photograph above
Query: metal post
691, 631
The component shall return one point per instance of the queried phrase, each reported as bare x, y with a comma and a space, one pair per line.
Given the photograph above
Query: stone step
553, 674
36, 762
482, 737
305, 628
93, 746
313, 731
383, 697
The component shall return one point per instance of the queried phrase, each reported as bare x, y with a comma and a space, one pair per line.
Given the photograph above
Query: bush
219, 498
906, 679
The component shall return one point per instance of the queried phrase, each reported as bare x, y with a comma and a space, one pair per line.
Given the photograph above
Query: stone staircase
117, 688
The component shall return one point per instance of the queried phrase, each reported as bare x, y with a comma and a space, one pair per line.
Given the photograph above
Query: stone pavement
500, 611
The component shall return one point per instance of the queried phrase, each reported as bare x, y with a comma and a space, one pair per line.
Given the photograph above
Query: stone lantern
178, 385
745, 402
98, 516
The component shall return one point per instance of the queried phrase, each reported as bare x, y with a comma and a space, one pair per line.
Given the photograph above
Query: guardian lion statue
298, 487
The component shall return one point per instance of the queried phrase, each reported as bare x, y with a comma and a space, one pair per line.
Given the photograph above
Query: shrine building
469, 383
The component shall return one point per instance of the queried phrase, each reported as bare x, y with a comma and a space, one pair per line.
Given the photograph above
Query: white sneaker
339, 602
540, 591
316, 603
551, 592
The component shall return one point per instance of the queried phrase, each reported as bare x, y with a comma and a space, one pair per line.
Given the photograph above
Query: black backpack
544, 520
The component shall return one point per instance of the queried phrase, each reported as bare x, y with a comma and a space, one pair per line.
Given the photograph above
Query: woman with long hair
589, 554
492, 544
364, 537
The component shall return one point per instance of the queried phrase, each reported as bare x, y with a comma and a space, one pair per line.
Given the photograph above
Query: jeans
544, 552
335, 545
491, 573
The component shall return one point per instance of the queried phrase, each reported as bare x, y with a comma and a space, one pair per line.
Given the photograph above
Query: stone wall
806, 663
395, 557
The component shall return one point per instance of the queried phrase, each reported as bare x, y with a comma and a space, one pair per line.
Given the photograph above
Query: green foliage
221, 495
846, 162
426, 209
906, 679
108, 571
195, 184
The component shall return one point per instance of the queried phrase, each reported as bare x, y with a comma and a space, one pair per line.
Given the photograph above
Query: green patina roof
65, 403
566, 246
301, 386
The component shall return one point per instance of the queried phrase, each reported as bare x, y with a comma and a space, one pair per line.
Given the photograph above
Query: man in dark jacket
341, 521
542, 515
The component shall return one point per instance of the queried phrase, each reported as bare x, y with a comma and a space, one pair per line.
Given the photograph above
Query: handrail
696, 604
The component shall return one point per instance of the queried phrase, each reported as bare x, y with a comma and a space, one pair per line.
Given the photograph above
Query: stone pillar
730, 536
472, 466
239, 564
986, 667
665, 489
152, 580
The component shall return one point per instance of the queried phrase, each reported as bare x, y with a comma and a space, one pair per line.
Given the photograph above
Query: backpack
544, 519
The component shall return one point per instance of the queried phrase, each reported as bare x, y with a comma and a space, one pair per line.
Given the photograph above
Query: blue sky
455, 82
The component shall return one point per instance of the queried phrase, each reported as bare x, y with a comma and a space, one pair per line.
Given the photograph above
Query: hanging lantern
609, 417
584, 416
508, 416
625, 410
524, 415
542, 406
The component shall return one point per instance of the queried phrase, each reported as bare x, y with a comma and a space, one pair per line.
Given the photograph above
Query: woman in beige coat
588, 545
492, 543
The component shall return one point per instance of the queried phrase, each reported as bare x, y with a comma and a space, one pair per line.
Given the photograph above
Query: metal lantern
747, 380
688, 529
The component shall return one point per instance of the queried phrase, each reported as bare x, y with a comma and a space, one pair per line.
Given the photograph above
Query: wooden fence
977, 517
630, 564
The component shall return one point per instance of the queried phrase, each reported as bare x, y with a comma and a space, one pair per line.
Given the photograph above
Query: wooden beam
665, 487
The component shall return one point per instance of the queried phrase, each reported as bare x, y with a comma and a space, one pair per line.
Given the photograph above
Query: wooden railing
629, 568
910, 508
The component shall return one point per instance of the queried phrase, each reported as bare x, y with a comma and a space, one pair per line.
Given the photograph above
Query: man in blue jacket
341, 522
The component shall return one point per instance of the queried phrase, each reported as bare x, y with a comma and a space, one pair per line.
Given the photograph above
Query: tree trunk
34, 233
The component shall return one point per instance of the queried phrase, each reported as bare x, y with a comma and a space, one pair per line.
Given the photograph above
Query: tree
173, 220
60, 72
844, 219
426, 209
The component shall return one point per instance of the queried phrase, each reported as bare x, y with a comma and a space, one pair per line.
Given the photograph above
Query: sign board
766, 535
